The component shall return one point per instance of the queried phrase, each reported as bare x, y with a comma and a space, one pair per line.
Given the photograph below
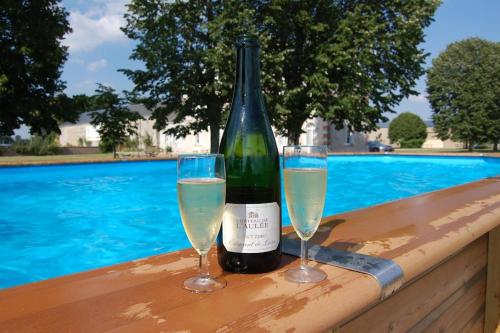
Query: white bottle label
251, 228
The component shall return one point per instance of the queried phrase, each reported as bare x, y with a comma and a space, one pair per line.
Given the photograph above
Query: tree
173, 40
31, 57
408, 129
463, 85
347, 61
115, 123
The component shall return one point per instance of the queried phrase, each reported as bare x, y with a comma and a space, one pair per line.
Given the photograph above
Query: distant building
83, 132
316, 132
6, 141
432, 141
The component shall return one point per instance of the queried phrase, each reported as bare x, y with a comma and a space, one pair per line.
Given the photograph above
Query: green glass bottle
250, 237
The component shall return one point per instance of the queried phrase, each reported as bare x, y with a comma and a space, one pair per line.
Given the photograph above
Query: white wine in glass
201, 202
201, 194
305, 173
305, 191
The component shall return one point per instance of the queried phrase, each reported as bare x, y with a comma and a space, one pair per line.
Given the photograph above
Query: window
169, 140
310, 135
91, 133
348, 138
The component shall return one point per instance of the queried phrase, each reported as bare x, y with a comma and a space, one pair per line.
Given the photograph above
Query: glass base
204, 284
305, 274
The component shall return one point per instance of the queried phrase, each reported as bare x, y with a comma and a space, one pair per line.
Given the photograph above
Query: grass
73, 158
441, 151
55, 158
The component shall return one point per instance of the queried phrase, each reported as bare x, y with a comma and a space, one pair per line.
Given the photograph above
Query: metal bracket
386, 272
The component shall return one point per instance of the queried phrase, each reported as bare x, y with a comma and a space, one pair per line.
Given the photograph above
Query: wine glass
305, 174
201, 194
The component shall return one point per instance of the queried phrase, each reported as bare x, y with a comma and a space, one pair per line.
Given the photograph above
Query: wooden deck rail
440, 239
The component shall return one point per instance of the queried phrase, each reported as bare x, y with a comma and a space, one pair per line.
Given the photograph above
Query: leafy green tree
173, 41
115, 123
31, 57
408, 129
347, 61
464, 91
86, 103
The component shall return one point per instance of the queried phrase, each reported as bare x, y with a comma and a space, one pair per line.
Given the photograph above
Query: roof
428, 123
86, 117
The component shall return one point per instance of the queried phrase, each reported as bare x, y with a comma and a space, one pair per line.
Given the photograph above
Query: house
316, 132
6, 141
432, 141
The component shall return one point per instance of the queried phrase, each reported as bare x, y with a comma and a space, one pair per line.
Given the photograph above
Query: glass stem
303, 254
203, 267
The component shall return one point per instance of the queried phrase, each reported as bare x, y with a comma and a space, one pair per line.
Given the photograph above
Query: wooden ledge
146, 295
70, 161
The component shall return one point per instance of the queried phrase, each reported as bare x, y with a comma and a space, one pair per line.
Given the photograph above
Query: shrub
147, 140
37, 145
83, 142
408, 129
168, 149
131, 144
105, 146
413, 143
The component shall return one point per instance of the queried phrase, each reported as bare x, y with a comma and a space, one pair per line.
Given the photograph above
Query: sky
98, 48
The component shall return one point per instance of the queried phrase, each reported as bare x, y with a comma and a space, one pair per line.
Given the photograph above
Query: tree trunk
495, 145
470, 145
294, 138
114, 152
214, 138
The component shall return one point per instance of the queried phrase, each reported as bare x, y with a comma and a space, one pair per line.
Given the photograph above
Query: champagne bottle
250, 237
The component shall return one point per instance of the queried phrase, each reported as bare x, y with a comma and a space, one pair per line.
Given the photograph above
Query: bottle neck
247, 74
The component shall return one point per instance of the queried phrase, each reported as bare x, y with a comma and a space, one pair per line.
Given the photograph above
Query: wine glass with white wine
305, 173
201, 194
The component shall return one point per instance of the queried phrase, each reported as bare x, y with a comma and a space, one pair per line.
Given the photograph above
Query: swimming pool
56, 220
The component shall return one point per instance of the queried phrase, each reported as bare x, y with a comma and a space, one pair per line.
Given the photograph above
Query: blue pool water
56, 220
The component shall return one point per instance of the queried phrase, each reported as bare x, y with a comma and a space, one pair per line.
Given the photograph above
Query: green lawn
55, 158
441, 151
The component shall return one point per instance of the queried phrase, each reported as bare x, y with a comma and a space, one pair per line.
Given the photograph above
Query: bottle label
251, 228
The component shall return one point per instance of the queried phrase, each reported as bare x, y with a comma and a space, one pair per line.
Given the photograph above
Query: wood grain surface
420, 233
424, 303
492, 313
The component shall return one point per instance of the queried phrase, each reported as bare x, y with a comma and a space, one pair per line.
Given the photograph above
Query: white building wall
316, 132
432, 141
192, 143
70, 134
347, 141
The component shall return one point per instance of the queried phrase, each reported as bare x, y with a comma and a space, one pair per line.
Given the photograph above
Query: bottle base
242, 264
